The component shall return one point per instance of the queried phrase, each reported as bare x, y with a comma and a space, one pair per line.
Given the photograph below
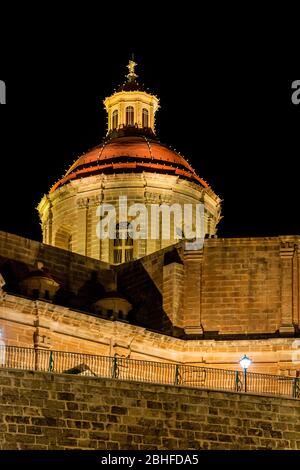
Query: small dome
39, 284
130, 154
113, 294
113, 306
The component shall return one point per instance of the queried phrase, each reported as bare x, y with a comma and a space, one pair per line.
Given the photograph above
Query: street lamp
245, 362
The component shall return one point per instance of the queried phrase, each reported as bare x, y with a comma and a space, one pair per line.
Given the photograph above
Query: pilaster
193, 261
288, 257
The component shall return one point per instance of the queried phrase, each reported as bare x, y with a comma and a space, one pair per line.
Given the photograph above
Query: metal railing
147, 371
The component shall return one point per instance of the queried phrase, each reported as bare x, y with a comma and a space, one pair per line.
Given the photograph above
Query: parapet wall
48, 411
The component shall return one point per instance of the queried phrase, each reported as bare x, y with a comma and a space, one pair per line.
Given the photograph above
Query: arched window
123, 245
145, 117
115, 119
129, 116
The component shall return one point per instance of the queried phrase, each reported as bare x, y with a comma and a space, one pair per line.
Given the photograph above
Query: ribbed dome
130, 154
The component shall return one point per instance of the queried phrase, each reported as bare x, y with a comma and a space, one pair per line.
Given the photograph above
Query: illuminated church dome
130, 162
126, 154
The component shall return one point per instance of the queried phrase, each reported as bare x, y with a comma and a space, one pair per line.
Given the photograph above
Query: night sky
229, 113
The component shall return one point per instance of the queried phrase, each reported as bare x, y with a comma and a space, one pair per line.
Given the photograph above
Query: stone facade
215, 305
47, 411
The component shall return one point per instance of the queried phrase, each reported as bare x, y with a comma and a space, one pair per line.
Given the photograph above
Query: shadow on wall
144, 291
14, 272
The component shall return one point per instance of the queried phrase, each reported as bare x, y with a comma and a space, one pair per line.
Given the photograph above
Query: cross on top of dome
131, 67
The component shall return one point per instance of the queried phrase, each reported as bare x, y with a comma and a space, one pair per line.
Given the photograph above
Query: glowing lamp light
245, 362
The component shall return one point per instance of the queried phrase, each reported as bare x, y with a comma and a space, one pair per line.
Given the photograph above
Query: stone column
167, 199
138, 117
151, 116
50, 221
95, 201
42, 334
81, 241
151, 245
122, 116
41, 337
287, 256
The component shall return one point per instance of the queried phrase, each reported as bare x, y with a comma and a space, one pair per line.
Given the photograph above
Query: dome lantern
131, 109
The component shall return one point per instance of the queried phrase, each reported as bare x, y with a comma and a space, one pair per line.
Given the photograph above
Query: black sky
224, 107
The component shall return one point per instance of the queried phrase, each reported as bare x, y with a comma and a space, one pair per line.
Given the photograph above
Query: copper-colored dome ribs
128, 154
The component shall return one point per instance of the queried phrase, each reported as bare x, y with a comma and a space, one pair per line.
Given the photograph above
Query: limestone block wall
234, 286
48, 411
241, 286
247, 286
